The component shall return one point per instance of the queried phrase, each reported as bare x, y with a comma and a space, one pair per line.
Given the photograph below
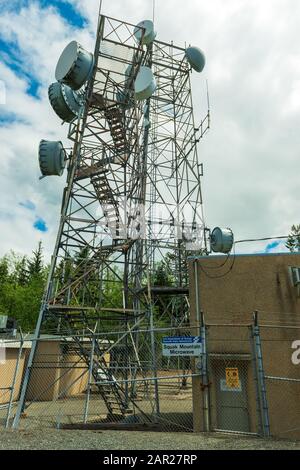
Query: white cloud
251, 154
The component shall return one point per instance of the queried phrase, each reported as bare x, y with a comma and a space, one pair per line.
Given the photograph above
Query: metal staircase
97, 172
115, 121
103, 378
108, 203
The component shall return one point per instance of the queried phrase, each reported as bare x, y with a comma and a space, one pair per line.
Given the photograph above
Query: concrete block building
228, 290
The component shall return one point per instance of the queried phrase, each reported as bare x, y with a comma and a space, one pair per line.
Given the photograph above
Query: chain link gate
237, 394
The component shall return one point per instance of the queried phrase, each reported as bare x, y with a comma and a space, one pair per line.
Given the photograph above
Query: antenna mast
131, 213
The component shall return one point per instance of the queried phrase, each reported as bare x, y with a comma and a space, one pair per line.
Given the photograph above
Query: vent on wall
295, 278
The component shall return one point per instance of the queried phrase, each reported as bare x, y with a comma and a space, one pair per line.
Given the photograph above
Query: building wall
228, 294
57, 373
255, 282
44, 378
7, 371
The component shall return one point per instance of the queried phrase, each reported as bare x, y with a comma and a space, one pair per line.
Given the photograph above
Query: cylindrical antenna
207, 95
100, 7
153, 1
208, 105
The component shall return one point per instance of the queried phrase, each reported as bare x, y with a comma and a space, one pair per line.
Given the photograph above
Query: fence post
205, 381
261, 385
89, 384
13, 385
154, 365
200, 384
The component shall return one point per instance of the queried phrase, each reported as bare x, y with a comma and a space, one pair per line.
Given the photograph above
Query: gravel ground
122, 440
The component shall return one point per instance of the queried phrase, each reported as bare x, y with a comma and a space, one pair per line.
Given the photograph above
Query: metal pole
205, 380
150, 300
150, 304
255, 375
262, 393
88, 394
153, 352
204, 371
14, 380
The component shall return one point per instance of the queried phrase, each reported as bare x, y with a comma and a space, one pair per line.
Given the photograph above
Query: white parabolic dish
66, 60
145, 84
74, 66
196, 58
149, 35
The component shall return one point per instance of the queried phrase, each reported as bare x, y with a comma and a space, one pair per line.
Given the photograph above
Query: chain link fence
254, 379
281, 352
246, 380
109, 380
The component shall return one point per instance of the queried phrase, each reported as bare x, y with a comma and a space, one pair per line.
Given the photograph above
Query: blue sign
182, 339
182, 346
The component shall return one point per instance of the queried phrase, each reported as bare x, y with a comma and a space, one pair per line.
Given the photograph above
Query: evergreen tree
293, 242
162, 275
35, 264
64, 270
22, 272
20, 289
81, 256
164, 271
4, 269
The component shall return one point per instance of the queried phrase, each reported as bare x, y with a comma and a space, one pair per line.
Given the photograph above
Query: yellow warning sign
232, 377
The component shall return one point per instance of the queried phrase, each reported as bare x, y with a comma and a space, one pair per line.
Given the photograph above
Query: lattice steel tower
132, 205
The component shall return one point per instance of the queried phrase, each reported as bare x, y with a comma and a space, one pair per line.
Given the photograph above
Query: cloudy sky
251, 155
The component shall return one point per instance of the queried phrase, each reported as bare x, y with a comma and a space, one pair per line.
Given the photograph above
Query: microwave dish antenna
52, 158
66, 102
74, 66
221, 240
149, 35
145, 84
196, 58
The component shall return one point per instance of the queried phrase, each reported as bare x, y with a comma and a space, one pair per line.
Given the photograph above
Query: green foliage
293, 242
162, 276
4, 268
22, 281
81, 256
35, 264
22, 272
164, 272
113, 290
